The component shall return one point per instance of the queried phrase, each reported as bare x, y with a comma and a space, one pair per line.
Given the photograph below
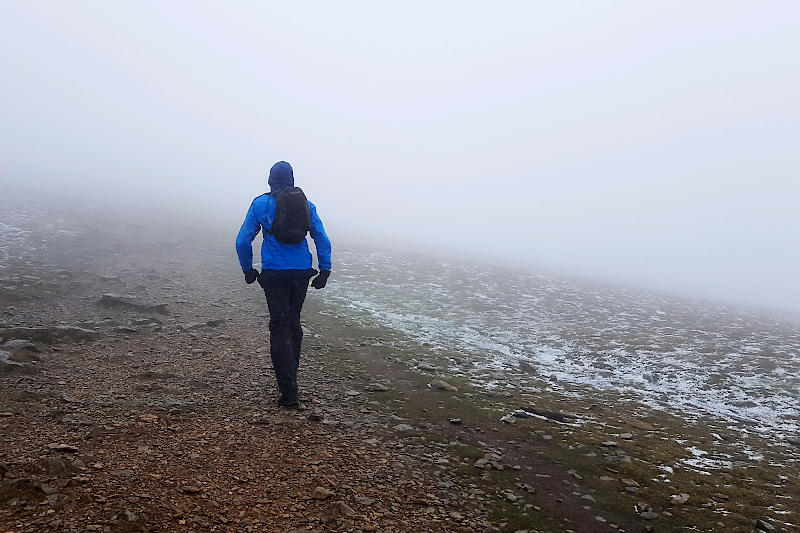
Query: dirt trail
164, 422
173, 430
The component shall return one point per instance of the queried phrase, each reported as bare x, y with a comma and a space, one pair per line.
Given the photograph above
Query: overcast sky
649, 143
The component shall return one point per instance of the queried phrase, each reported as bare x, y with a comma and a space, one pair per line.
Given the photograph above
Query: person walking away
285, 216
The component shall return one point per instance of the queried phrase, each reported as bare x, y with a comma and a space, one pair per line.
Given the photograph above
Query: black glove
250, 275
320, 281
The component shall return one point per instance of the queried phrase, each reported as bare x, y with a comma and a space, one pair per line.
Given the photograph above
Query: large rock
530, 412
20, 344
8, 365
443, 385
762, 525
190, 326
679, 499
321, 493
50, 335
117, 301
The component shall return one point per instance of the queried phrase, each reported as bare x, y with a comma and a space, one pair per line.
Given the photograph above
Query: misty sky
648, 143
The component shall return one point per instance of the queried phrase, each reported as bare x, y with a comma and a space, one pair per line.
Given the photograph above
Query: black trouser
286, 292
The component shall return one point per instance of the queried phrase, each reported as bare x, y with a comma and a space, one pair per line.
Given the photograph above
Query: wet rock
50, 335
645, 511
62, 448
321, 493
21, 344
482, 463
679, 499
193, 326
344, 509
762, 525
175, 403
8, 365
508, 419
99, 324
527, 488
489, 461
574, 474
145, 322
116, 301
47, 489
530, 412
56, 467
443, 385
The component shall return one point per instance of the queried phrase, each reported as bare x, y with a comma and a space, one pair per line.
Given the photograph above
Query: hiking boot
289, 400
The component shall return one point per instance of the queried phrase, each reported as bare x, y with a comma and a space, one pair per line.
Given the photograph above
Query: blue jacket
277, 255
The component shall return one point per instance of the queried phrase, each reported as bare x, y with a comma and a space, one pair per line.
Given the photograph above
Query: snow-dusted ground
27, 228
687, 357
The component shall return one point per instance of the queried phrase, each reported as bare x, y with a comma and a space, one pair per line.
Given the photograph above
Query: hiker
285, 216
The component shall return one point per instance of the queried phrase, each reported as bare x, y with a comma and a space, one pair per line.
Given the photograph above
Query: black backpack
292, 218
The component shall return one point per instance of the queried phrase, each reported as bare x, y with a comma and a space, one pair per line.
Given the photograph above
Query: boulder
116, 301
50, 335
8, 365
763, 525
21, 344
443, 385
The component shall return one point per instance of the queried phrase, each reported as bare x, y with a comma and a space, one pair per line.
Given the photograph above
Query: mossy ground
724, 498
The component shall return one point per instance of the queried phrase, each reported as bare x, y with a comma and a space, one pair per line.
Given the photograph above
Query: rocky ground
136, 395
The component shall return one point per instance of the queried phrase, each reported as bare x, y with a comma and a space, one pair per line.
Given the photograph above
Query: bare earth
155, 412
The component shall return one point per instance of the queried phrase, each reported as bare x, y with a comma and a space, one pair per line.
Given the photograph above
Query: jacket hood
281, 176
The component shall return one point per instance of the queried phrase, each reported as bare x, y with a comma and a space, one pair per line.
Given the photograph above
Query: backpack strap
265, 230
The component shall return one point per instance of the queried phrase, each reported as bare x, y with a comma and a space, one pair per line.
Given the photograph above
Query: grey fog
649, 144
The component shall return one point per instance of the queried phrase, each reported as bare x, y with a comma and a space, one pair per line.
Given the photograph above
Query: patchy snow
689, 358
